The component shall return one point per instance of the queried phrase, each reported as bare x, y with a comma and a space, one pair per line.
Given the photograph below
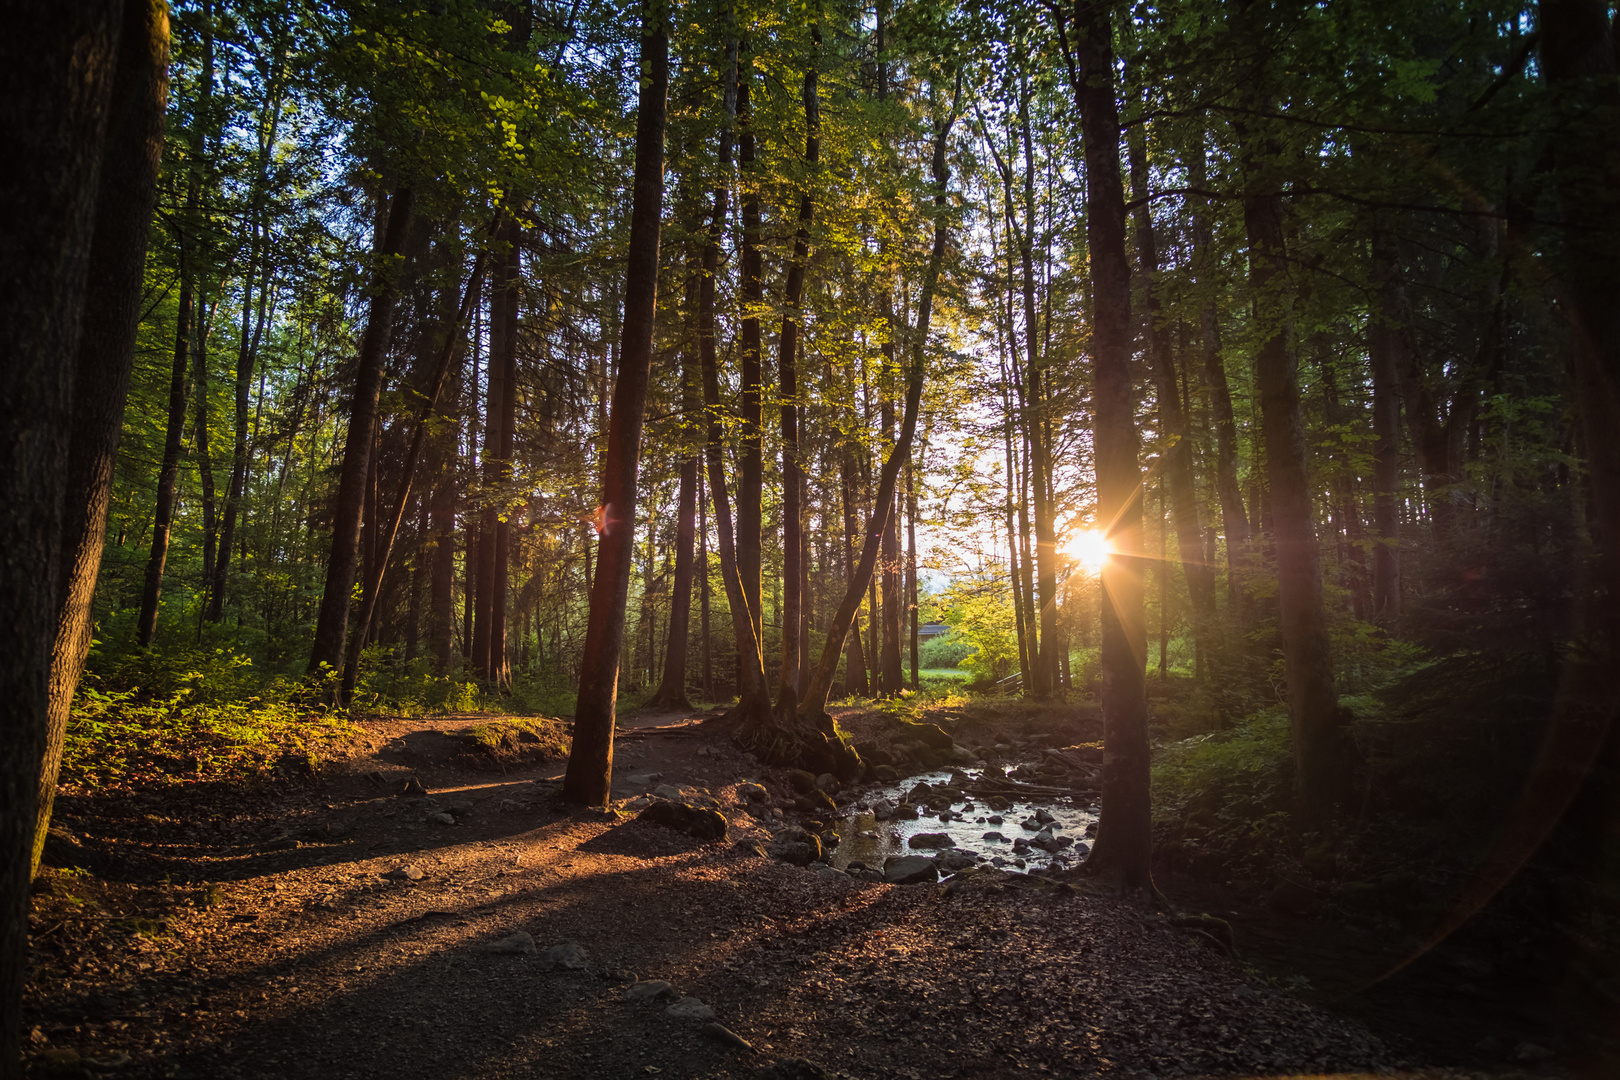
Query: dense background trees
1306, 310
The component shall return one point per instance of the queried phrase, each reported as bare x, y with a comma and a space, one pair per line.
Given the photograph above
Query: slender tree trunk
812, 710
169, 470
105, 356
205, 459
855, 677
1178, 469
671, 693
1045, 659
1123, 831
1385, 342
503, 327
56, 73
750, 456
1313, 708
890, 679
911, 571
590, 762
442, 509
793, 483
703, 586
331, 630
1234, 522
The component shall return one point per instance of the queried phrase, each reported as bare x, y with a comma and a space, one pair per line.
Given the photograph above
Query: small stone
518, 944
646, 779
994, 837
909, 869
798, 852
108, 1062
460, 807
751, 848
753, 792
803, 782
1044, 816
829, 872
882, 809
406, 873
995, 819
931, 840
827, 782
413, 789
649, 990
689, 1008
904, 812
566, 956
722, 1034
668, 791
441, 819
952, 861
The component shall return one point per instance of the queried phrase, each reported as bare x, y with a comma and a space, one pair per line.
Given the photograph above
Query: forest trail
280, 933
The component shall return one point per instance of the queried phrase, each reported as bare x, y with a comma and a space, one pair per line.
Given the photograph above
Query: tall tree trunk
205, 459
1045, 659
750, 453
911, 572
671, 693
386, 530
1123, 830
890, 679
331, 629
590, 762
106, 353
812, 710
1178, 452
1385, 343
855, 677
1313, 707
441, 633
173, 441
188, 254
793, 482
56, 72
1234, 522
504, 329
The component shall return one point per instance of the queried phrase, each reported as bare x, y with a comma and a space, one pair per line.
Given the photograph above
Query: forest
466, 459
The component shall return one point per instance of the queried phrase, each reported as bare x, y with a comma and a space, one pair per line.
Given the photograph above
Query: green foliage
946, 651
982, 617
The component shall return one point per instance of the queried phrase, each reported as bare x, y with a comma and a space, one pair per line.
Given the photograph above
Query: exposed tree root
781, 736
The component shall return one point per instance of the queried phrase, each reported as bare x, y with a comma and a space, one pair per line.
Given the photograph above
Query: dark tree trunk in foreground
332, 628
106, 354
1123, 830
56, 71
590, 762
815, 738
1313, 706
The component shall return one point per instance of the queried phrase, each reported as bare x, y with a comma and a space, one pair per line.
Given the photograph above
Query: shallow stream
863, 838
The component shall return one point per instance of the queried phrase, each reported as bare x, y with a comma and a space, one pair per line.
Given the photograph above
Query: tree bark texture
750, 452
1385, 342
590, 762
56, 73
106, 354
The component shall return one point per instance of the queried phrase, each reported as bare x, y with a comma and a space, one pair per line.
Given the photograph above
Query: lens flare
1090, 549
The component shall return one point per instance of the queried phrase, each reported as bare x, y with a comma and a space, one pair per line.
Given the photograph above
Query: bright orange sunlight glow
1090, 549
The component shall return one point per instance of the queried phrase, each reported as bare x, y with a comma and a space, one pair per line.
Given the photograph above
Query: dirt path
329, 927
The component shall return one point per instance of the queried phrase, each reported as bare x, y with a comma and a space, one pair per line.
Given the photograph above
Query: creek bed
863, 838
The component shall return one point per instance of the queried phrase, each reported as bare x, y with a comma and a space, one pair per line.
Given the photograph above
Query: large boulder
695, 821
909, 869
930, 735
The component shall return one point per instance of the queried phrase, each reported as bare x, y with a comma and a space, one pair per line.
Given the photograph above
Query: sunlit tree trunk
750, 450
590, 761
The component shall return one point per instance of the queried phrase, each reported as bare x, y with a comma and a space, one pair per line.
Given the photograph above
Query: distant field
943, 673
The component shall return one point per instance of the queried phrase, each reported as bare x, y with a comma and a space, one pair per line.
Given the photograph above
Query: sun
1090, 549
